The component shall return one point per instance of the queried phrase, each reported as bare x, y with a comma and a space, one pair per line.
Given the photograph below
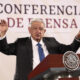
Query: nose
38, 30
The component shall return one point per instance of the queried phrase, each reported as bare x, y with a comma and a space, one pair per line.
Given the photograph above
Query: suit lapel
47, 43
30, 52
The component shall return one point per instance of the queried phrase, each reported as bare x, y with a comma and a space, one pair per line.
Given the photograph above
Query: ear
44, 30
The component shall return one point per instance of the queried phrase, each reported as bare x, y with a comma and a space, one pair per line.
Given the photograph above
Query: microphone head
71, 61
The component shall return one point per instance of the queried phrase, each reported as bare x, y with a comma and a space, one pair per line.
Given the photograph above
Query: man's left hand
78, 35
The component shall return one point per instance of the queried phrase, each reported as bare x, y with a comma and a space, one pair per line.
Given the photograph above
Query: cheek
33, 33
2, 28
42, 33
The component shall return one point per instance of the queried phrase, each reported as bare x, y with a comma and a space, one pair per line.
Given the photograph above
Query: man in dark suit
26, 51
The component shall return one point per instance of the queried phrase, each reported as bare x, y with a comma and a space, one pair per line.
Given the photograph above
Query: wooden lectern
52, 68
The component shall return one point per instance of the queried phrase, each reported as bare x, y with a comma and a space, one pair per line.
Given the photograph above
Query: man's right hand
3, 27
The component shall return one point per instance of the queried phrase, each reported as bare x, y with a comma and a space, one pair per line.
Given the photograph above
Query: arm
4, 47
72, 47
62, 48
8, 49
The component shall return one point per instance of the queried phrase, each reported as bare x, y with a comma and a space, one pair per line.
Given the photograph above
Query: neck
38, 40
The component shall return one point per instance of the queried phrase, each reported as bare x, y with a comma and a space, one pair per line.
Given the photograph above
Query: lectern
52, 68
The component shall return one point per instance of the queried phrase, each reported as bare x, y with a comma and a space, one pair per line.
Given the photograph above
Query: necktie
40, 51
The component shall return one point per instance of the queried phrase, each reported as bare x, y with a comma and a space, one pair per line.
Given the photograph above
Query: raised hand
3, 27
78, 35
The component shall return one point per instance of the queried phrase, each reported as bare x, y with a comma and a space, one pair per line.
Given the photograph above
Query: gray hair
37, 20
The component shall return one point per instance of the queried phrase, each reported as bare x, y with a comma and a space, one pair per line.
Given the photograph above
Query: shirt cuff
2, 37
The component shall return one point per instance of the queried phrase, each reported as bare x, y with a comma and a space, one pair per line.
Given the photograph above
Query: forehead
37, 24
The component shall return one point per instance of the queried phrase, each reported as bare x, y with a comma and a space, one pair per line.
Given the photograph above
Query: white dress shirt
2, 37
36, 59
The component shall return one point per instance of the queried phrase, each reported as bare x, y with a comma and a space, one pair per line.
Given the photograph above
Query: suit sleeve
8, 49
72, 47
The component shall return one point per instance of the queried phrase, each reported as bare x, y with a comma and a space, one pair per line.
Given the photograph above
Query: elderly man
30, 51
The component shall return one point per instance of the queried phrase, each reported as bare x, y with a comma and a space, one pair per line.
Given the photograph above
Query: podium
52, 68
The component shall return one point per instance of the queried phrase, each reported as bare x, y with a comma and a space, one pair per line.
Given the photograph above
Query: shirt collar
35, 42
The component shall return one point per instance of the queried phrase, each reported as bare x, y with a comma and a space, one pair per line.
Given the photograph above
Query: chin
38, 39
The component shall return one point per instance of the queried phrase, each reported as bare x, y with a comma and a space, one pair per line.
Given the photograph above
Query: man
26, 51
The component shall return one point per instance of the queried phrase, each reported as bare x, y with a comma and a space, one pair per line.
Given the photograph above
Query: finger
0, 32
79, 32
0, 21
3, 23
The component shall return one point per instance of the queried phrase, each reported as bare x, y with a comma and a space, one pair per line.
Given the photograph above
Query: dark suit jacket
22, 48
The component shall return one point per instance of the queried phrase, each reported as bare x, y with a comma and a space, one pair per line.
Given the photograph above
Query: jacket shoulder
23, 40
49, 38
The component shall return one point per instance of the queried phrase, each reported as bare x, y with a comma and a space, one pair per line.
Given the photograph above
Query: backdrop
62, 19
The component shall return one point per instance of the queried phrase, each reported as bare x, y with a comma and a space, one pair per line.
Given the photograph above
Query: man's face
37, 30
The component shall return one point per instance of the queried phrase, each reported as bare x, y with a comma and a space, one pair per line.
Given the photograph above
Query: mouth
38, 35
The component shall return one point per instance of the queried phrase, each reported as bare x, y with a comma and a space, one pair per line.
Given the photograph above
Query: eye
35, 28
41, 28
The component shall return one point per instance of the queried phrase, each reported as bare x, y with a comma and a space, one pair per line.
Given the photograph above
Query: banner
61, 17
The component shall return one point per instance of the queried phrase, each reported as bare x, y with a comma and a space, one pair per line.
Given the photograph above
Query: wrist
77, 38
